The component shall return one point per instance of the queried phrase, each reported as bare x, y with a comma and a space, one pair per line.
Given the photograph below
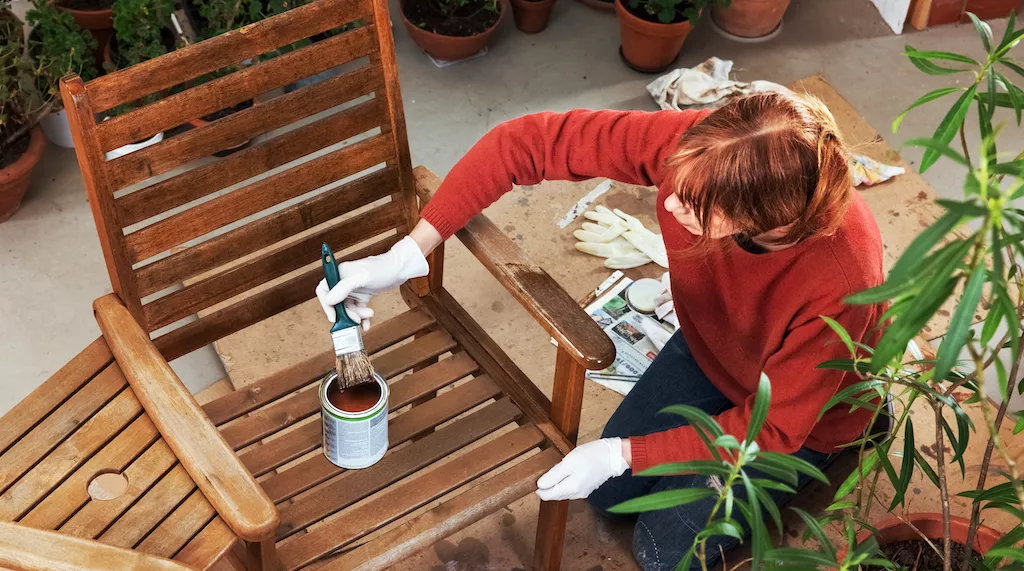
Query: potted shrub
653, 31
58, 46
750, 20
451, 29
21, 108
973, 252
96, 16
141, 32
531, 16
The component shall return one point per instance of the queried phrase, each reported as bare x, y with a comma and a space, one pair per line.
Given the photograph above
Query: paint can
355, 422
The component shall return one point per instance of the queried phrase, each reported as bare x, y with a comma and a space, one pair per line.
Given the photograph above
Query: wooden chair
236, 240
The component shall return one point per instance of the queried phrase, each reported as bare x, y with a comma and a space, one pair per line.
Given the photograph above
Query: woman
764, 234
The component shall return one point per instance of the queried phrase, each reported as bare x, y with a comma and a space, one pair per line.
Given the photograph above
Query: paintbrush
350, 358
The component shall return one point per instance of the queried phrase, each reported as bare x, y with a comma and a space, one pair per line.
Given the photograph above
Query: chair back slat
236, 238
245, 43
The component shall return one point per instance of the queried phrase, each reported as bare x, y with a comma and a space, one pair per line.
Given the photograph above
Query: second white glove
583, 470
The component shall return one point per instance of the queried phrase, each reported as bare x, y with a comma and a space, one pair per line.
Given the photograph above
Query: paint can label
354, 440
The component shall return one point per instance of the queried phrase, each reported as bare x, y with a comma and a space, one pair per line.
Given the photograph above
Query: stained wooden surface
27, 549
195, 441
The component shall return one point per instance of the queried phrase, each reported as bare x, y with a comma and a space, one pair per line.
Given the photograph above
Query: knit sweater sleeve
799, 391
626, 146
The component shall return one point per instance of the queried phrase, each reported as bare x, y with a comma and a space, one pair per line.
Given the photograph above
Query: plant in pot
750, 20
531, 16
653, 31
95, 16
21, 108
974, 251
141, 32
58, 46
451, 30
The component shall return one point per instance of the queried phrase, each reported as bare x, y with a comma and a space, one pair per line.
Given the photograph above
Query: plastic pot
650, 47
99, 23
15, 177
57, 129
122, 151
750, 19
451, 48
531, 16
893, 530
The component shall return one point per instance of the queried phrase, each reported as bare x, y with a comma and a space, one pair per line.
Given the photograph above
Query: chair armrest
29, 549
558, 313
195, 441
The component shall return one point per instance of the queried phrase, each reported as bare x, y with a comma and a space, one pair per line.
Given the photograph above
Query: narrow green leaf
963, 208
1008, 34
840, 505
1010, 539
797, 556
662, 500
857, 388
922, 244
949, 125
727, 441
922, 462
1019, 427
890, 471
930, 96
894, 341
841, 332
695, 416
990, 98
758, 534
1012, 64
769, 505
780, 473
1010, 93
958, 455
703, 467
819, 533
760, 411
939, 147
1004, 391
773, 485
939, 55
848, 485
1012, 553
959, 324
984, 32
907, 467
992, 320
723, 527
845, 365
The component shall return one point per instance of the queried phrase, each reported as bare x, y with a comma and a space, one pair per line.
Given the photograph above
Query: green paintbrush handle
342, 321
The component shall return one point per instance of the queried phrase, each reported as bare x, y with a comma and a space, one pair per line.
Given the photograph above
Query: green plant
139, 29
973, 251
21, 103
58, 46
669, 11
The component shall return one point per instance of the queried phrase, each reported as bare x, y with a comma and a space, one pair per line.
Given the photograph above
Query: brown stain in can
359, 398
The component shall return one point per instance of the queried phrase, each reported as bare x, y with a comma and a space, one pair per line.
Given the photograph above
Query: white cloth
583, 470
361, 279
705, 84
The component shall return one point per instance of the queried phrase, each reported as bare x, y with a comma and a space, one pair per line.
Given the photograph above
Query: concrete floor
51, 263
51, 267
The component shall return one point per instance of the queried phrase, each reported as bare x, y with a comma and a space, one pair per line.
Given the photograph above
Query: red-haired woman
764, 234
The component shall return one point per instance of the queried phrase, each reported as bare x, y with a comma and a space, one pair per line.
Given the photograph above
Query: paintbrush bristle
353, 369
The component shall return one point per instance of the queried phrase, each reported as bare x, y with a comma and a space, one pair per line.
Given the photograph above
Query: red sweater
741, 313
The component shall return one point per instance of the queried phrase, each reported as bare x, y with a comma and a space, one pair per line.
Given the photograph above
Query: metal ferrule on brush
347, 340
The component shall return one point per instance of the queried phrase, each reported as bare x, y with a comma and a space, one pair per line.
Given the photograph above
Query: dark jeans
661, 538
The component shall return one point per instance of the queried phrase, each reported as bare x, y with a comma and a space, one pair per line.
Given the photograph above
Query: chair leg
262, 555
551, 522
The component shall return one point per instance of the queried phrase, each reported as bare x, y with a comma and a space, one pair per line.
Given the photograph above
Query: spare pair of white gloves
581, 472
621, 239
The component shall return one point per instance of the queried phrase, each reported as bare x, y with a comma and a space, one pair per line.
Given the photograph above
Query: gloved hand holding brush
362, 279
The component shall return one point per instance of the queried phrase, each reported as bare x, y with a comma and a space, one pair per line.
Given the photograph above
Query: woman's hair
762, 162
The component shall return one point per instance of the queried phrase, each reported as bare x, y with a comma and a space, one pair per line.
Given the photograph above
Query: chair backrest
237, 238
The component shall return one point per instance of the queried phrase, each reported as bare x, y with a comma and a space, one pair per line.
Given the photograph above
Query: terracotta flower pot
100, 24
531, 16
649, 47
15, 178
602, 5
750, 18
893, 530
451, 48
200, 122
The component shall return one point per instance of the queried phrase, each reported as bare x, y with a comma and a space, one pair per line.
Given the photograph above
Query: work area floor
51, 267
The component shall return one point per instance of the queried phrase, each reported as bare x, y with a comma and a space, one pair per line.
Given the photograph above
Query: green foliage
672, 11
22, 105
58, 46
139, 29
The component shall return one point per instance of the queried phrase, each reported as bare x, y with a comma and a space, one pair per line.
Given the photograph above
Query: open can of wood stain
355, 422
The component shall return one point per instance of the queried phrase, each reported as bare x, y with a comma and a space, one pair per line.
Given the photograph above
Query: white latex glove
361, 279
583, 470
620, 238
